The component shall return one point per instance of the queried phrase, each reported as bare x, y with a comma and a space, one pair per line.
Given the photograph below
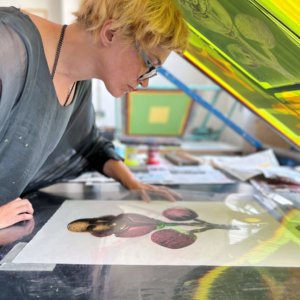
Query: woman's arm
120, 172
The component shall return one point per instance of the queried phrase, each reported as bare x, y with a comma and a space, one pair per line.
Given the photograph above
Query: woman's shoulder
12, 52
12, 68
46, 28
8, 11
15, 18
21, 38
21, 23
10, 39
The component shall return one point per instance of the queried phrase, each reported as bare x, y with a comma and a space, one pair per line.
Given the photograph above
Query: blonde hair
150, 23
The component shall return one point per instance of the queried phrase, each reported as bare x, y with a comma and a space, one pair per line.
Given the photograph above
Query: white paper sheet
286, 174
243, 167
204, 174
259, 241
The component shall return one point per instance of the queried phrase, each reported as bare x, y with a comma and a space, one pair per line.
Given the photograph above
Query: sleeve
13, 62
13, 66
101, 151
83, 135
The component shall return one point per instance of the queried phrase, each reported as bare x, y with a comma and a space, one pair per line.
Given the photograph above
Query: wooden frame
154, 112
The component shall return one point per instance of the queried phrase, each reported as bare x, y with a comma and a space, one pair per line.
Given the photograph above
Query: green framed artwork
157, 113
251, 48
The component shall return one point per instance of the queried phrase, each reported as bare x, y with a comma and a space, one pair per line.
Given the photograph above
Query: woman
47, 129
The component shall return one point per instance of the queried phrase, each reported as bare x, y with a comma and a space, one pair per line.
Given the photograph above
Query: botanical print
220, 231
172, 235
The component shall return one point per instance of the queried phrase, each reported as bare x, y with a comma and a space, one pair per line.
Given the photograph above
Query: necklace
57, 54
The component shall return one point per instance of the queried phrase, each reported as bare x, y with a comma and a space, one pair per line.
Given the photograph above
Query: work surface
249, 263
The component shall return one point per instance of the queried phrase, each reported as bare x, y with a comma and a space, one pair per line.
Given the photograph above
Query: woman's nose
144, 83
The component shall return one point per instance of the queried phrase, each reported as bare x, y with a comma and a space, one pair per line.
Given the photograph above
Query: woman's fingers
22, 206
166, 195
16, 218
25, 208
145, 196
146, 191
15, 211
23, 217
174, 195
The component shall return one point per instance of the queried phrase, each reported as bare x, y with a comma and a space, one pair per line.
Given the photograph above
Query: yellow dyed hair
150, 23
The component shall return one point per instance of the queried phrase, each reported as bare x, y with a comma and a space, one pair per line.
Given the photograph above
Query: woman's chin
117, 94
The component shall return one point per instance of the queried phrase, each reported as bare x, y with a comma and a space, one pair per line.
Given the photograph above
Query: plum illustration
179, 214
134, 225
173, 239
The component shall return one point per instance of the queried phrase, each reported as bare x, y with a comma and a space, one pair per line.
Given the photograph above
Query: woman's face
127, 64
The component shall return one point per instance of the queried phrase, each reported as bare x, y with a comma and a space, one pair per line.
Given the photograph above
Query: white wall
51, 7
68, 7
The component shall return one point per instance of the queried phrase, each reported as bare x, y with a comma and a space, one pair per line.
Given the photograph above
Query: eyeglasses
148, 63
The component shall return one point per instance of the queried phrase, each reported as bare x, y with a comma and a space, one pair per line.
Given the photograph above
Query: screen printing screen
251, 49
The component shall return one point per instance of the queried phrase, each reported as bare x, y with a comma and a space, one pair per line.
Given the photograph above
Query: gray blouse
37, 134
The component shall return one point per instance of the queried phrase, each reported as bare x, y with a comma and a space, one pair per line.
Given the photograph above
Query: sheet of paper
283, 173
243, 167
204, 174
247, 235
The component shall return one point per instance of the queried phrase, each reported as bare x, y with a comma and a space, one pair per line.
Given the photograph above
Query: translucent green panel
251, 53
286, 11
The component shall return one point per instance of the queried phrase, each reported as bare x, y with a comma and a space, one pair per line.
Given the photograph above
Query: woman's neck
79, 51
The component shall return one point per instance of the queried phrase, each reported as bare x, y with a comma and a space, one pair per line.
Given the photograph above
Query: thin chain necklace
57, 54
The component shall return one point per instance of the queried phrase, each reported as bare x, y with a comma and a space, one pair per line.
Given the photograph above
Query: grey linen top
41, 142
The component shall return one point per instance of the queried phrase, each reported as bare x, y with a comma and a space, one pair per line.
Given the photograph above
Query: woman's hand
15, 211
120, 172
145, 190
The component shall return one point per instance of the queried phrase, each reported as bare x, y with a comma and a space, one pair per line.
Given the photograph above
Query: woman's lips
131, 89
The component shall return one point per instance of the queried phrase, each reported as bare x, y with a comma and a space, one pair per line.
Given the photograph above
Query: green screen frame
155, 112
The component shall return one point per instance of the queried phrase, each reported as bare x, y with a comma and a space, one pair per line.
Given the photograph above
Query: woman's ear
106, 33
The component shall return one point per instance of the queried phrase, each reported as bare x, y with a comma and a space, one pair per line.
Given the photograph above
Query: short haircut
150, 23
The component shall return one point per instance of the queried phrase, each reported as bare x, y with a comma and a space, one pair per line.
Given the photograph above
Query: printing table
121, 282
